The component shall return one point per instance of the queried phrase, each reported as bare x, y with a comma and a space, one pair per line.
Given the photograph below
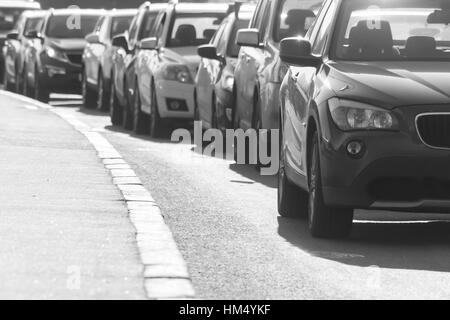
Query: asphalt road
225, 222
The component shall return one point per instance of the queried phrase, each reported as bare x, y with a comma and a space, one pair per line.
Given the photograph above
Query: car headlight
55, 54
179, 73
351, 115
228, 83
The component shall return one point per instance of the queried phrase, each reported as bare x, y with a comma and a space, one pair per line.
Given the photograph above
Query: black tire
8, 86
214, 122
41, 93
139, 118
127, 115
26, 85
323, 221
292, 200
89, 96
196, 112
102, 93
115, 110
18, 84
156, 123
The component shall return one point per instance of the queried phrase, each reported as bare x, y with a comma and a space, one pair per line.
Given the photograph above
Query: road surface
224, 220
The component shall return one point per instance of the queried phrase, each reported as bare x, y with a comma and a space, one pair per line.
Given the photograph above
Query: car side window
325, 29
263, 23
312, 32
133, 32
220, 41
160, 29
257, 17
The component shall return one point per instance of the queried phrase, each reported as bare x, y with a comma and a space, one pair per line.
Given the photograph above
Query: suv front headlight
55, 54
351, 115
178, 73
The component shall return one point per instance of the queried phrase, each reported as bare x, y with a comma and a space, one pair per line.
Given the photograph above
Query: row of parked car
358, 89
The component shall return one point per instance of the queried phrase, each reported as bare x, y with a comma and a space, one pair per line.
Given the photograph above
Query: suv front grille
434, 129
75, 58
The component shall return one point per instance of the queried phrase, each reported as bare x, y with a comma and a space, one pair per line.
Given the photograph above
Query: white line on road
165, 272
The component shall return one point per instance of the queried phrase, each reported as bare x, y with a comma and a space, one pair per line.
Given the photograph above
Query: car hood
67, 44
392, 84
183, 55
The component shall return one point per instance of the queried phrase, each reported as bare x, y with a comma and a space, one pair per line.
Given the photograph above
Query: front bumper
60, 76
170, 91
397, 171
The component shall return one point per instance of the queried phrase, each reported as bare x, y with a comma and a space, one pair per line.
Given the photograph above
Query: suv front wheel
324, 221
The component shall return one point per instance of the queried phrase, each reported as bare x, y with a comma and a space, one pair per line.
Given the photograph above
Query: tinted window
147, 25
33, 24
295, 17
120, 25
233, 47
393, 30
58, 27
193, 29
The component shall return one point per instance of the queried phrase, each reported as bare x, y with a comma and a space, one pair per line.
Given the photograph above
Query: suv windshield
193, 29
59, 26
393, 30
9, 17
295, 17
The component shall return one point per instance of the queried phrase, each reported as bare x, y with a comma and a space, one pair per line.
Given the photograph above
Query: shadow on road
386, 244
252, 173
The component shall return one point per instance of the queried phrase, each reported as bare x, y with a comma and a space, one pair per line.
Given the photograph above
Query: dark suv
55, 63
366, 113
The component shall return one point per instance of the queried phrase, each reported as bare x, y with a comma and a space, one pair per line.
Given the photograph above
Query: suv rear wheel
115, 110
139, 118
323, 221
89, 97
41, 93
292, 200
102, 93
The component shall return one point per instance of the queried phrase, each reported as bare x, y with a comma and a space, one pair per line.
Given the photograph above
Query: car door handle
295, 76
248, 59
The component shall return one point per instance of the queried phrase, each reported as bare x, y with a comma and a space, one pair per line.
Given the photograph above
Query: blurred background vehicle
259, 71
10, 10
98, 57
54, 64
16, 47
167, 66
128, 45
215, 77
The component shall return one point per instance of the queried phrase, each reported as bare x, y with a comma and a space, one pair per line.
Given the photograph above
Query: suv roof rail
173, 1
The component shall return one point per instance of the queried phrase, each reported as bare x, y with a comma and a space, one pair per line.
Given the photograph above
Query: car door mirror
149, 43
93, 38
34, 34
298, 51
14, 35
120, 41
249, 38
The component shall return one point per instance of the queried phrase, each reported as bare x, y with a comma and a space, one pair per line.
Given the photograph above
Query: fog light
176, 105
355, 148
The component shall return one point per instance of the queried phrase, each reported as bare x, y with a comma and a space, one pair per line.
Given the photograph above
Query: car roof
201, 7
122, 12
63, 12
154, 6
20, 4
34, 13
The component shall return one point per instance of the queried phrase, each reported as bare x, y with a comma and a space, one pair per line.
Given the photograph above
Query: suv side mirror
14, 35
93, 38
248, 38
208, 51
120, 41
149, 43
34, 34
298, 51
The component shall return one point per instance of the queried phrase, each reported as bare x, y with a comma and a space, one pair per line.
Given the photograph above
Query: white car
167, 64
